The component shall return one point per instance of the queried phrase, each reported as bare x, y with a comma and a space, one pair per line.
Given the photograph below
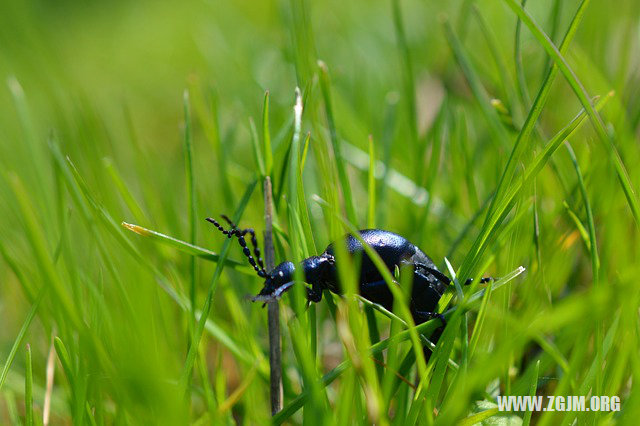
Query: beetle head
279, 280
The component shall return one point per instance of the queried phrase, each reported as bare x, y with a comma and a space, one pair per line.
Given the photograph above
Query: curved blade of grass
29, 292
188, 248
39, 246
558, 58
133, 206
579, 226
595, 259
65, 360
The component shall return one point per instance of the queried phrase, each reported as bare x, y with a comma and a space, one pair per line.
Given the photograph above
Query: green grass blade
477, 329
65, 360
28, 389
186, 247
325, 85
133, 205
255, 144
43, 258
532, 393
409, 86
521, 78
479, 418
191, 201
371, 210
20, 337
266, 136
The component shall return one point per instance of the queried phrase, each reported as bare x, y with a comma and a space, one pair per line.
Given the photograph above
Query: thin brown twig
275, 351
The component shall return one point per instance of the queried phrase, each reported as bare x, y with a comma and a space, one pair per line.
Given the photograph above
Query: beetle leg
439, 275
431, 315
483, 280
314, 294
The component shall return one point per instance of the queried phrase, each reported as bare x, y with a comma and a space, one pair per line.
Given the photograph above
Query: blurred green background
102, 83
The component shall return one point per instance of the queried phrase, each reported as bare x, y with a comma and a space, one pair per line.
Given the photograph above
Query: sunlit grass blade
186, 247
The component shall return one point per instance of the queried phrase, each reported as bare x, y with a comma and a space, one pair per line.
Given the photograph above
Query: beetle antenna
254, 241
237, 233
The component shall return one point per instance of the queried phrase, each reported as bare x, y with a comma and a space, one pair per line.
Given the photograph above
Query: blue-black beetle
429, 284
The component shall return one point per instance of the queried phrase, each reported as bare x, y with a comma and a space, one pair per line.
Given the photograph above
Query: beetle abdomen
392, 248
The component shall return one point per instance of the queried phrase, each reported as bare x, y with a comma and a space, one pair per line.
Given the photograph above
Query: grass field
491, 136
